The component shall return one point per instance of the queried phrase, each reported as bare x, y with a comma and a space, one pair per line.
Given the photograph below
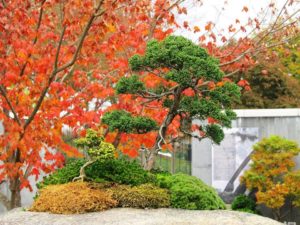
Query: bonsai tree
95, 149
189, 85
271, 173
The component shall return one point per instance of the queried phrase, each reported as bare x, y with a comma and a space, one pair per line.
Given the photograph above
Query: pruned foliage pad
188, 192
114, 170
72, 198
143, 196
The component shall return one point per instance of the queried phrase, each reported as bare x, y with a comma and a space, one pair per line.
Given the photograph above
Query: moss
188, 192
143, 196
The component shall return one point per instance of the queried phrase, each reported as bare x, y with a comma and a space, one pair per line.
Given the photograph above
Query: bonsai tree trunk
82, 175
150, 163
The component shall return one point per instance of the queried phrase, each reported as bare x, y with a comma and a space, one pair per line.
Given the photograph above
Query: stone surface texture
127, 216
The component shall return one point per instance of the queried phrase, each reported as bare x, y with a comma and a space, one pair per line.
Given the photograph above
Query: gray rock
127, 216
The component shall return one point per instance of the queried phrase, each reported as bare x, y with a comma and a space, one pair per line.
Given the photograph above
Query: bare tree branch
36, 37
58, 48
3, 93
3, 3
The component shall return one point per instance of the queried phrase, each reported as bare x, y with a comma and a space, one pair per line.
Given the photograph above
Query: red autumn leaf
211, 120
36, 173
185, 24
243, 83
189, 92
184, 10
223, 39
243, 29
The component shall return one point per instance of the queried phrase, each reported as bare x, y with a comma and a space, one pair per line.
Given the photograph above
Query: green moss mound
115, 170
72, 198
143, 196
188, 192
63, 175
120, 171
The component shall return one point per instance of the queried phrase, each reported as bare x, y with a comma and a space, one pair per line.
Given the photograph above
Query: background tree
269, 87
181, 73
271, 173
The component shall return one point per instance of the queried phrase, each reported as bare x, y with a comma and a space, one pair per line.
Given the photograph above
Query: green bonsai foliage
96, 149
191, 68
124, 122
63, 175
188, 192
119, 171
130, 85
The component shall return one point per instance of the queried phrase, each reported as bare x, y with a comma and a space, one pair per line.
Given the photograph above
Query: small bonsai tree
191, 87
95, 149
271, 173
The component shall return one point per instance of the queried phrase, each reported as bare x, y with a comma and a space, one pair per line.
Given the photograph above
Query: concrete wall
283, 122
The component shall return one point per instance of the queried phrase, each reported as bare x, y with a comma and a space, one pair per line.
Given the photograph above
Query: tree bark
117, 140
150, 163
15, 199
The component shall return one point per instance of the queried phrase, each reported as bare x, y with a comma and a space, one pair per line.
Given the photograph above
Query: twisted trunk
150, 162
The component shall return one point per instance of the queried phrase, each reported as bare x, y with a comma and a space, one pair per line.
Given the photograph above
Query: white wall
249, 127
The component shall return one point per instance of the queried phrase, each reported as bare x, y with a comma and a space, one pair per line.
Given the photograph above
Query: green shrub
143, 196
188, 192
164, 180
243, 202
64, 174
116, 170
120, 171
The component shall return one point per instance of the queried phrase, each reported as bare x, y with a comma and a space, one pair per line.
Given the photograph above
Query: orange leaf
245, 9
